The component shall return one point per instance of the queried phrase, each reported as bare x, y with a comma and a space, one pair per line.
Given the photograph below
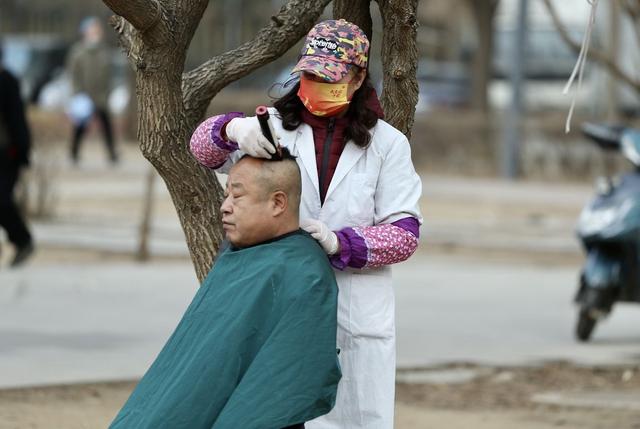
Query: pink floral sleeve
207, 144
378, 245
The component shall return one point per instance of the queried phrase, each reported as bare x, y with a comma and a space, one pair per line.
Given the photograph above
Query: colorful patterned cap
331, 48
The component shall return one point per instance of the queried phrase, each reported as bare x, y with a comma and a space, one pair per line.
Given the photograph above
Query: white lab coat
371, 186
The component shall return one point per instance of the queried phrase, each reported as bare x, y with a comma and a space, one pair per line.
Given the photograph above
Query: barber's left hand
321, 232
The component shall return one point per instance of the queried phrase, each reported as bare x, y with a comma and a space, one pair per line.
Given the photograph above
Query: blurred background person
89, 67
15, 142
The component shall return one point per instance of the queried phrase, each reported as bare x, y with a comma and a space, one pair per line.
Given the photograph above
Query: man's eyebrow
237, 185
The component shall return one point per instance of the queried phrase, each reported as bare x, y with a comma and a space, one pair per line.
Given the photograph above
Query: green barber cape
256, 348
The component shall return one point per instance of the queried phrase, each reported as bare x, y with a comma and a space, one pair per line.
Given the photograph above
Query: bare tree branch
190, 13
142, 14
291, 23
595, 54
146, 16
124, 30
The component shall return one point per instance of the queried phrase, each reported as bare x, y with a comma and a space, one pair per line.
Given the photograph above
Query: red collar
323, 121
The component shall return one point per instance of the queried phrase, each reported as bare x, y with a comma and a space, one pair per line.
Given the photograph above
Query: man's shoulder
301, 240
304, 268
293, 255
303, 253
292, 251
294, 246
298, 247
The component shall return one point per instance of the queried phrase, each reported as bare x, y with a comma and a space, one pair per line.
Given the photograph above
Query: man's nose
226, 206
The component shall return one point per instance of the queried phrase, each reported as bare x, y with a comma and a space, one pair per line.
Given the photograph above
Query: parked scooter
609, 228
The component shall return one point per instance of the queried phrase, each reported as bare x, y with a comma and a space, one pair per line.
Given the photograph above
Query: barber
360, 197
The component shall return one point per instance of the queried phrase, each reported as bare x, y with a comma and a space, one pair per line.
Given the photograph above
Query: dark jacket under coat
15, 138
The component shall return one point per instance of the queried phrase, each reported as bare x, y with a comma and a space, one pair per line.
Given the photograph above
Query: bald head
284, 176
262, 200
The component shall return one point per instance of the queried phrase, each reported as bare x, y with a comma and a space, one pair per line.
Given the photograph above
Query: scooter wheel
585, 325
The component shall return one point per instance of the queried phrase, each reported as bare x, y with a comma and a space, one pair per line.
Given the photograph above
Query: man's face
94, 33
245, 210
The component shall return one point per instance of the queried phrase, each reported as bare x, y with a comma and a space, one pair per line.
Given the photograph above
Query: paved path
102, 322
63, 324
501, 314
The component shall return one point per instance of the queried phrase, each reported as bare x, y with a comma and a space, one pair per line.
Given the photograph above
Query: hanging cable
579, 67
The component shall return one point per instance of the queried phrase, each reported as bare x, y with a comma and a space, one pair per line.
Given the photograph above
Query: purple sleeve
409, 224
378, 245
207, 144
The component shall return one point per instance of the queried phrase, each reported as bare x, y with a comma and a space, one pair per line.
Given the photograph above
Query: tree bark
399, 53
357, 12
399, 62
163, 133
170, 104
146, 16
142, 14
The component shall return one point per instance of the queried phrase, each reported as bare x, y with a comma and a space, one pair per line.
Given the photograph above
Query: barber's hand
321, 232
246, 132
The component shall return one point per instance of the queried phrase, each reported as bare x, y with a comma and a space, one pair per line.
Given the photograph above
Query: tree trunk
399, 53
144, 229
196, 193
483, 12
156, 35
399, 62
355, 11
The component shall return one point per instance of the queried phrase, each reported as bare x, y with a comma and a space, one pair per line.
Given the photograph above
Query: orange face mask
324, 99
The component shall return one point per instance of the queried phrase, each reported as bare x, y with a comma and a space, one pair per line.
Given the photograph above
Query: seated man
256, 347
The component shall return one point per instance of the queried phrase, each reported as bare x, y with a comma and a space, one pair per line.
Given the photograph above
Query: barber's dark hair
361, 117
284, 155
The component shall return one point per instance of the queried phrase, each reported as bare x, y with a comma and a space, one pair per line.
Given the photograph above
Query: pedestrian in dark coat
15, 143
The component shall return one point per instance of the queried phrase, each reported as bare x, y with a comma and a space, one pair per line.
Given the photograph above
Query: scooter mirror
603, 185
630, 143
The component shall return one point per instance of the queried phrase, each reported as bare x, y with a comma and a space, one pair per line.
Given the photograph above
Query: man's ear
279, 203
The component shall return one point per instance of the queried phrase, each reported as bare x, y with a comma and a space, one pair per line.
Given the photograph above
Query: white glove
247, 133
321, 232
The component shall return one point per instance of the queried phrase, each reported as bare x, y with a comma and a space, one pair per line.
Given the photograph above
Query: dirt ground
502, 398
499, 398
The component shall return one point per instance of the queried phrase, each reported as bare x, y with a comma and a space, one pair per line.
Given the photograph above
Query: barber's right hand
247, 133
